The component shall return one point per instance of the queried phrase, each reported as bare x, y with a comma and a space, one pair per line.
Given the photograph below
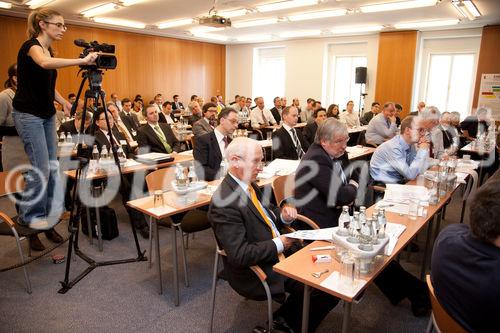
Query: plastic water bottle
69, 138
192, 175
95, 153
62, 137
382, 222
104, 154
121, 155
180, 176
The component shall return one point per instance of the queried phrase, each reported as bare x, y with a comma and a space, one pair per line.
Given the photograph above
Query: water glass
413, 206
158, 199
348, 269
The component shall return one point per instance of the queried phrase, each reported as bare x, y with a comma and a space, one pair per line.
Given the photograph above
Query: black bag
109, 225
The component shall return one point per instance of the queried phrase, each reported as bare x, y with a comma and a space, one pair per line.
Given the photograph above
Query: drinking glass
413, 206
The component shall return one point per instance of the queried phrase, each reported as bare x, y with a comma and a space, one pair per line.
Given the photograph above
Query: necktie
256, 203
123, 129
264, 118
298, 146
226, 142
408, 156
162, 138
340, 172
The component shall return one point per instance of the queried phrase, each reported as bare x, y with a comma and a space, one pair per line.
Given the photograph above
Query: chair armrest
259, 272
7, 219
307, 221
378, 188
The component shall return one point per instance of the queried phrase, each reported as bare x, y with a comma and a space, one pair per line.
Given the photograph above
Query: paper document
402, 193
131, 163
333, 282
318, 234
356, 150
153, 156
186, 153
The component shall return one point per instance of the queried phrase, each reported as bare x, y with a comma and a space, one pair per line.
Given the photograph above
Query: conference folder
154, 158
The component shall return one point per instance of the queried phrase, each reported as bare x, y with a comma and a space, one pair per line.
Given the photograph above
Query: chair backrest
11, 182
445, 323
160, 179
283, 187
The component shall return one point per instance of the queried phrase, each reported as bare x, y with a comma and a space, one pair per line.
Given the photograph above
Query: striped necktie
298, 146
257, 204
162, 138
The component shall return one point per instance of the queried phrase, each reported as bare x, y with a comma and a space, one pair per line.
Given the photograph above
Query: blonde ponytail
41, 14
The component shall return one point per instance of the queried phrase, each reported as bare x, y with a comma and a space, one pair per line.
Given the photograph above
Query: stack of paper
279, 167
393, 230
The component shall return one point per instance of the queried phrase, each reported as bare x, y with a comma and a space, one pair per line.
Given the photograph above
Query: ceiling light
356, 29
318, 15
269, 7
233, 13
6, 5
130, 2
466, 8
210, 36
254, 23
253, 38
383, 7
120, 22
425, 24
202, 30
174, 23
107, 7
34, 4
303, 33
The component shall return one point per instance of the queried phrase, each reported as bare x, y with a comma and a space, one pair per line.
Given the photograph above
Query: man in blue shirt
403, 157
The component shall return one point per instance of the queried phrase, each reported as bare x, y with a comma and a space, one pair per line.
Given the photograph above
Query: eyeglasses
341, 141
58, 24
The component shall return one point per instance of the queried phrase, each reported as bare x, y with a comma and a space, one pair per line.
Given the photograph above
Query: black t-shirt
466, 277
35, 86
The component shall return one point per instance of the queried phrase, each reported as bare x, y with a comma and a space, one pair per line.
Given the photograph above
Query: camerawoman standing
34, 117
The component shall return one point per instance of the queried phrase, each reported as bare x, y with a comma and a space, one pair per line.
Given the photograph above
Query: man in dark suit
420, 108
167, 114
209, 148
276, 111
157, 136
311, 128
323, 194
176, 104
248, 229
367, 116
101, 135
288, 142
129, 117
207, 123
476, 124
73, 126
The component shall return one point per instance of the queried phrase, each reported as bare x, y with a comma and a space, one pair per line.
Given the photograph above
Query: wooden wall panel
488, 62
395, 68
146, 64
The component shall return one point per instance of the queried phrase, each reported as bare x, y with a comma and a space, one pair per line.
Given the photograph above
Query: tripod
94, 92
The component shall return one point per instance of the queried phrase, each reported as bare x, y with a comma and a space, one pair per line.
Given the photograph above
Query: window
268, 73
449, 82
344, 86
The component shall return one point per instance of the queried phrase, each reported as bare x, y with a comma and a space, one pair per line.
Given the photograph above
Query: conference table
175, 205
299, 266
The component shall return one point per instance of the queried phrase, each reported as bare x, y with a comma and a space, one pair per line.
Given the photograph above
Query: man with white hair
248, 229
196, 112
429, 120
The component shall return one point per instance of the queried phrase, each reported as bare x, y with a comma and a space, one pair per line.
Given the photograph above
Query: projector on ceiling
215, 21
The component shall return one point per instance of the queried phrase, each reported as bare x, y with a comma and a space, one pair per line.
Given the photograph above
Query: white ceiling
152, 12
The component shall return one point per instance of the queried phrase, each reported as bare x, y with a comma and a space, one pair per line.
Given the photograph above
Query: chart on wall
489, 94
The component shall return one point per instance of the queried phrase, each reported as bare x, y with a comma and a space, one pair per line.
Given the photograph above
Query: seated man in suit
383, 126
158, 137
73, 126
129, 117
320, 196
122, 128
248, 229
167, 115
403, 157
176, 104
195, 110
311, 128
209, 148
276, 111
101, 134
261, 117
288, 142
367, 116
466, 263
474, 125
208, 122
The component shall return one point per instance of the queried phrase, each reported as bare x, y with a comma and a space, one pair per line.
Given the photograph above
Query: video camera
103, 61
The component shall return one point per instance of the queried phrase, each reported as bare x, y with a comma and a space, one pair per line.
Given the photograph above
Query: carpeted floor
124, 298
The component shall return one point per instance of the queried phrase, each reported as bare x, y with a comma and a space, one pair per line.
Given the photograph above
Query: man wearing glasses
403, 157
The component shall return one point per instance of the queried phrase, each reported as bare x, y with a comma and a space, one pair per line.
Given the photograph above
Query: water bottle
366, 235
95, 153
121, 155
104, 154
344, 222
62, 137
354, 228
382, 223
192, 175
362, 215
180, 177
69, 138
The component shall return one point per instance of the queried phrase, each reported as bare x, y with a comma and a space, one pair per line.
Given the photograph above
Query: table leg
305, 308
175, 266
157, 236
89, 226
347, 316
151, 241
426, 249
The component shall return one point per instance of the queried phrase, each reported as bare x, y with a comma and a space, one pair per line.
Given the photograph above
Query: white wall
306, 63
